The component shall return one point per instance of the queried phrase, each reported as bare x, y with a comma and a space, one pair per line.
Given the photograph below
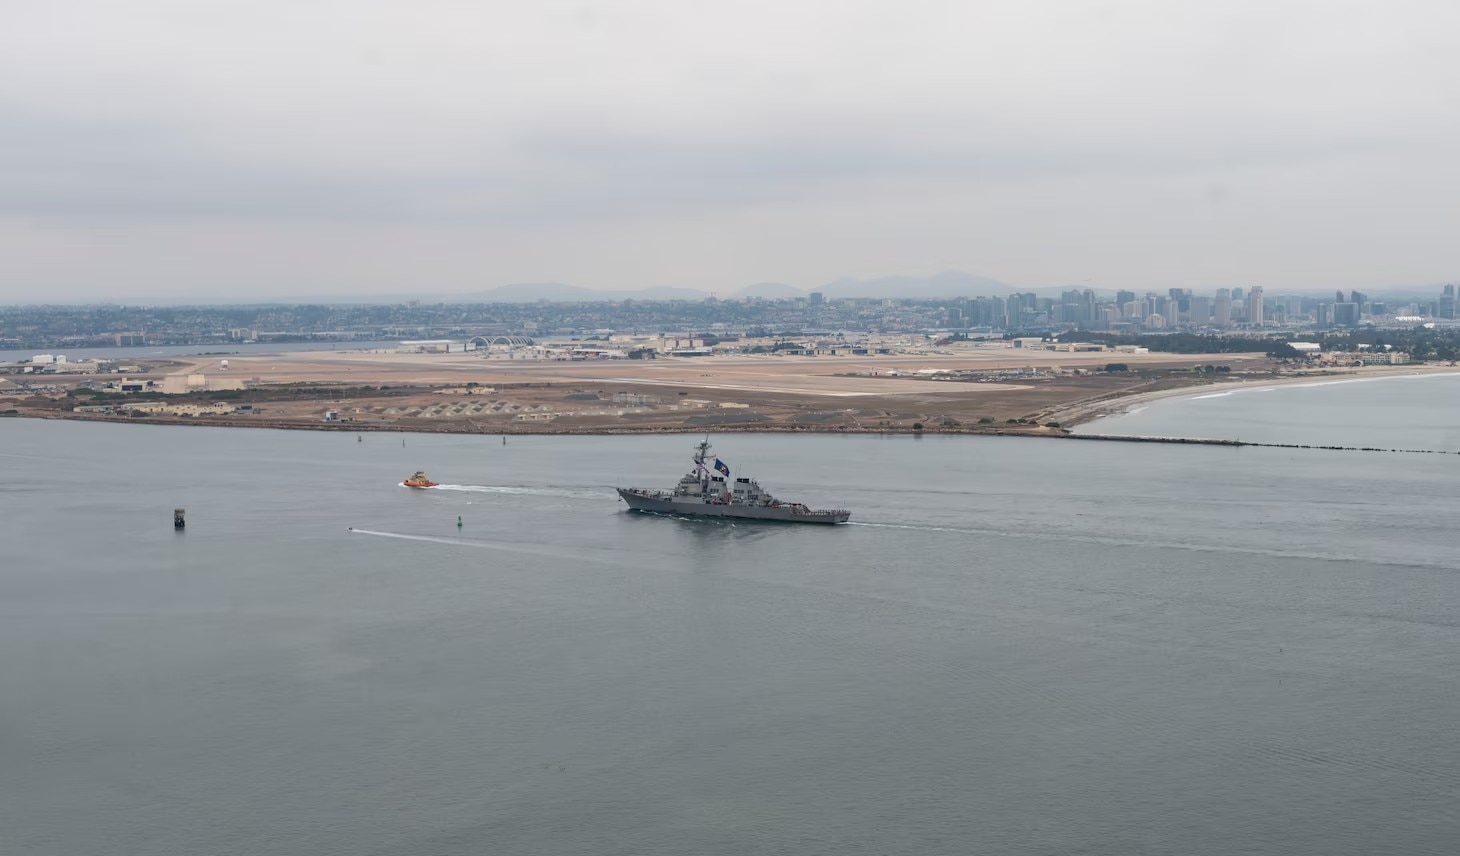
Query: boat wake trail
523, 491
523, 549
403, 536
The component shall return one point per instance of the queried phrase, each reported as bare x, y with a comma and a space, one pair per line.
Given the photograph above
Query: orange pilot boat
418, 480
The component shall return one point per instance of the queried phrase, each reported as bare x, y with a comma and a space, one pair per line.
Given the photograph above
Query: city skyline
1149, 317
268, 149
940, 286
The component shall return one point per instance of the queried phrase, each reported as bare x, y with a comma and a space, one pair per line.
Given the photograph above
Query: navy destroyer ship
707, 491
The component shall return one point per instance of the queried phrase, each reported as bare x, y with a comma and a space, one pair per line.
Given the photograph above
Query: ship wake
545, 552
522, 490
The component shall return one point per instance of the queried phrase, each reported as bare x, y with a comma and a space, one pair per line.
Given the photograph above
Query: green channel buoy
458, 521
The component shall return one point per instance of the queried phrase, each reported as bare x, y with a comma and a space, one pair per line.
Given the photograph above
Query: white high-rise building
1222, 309
1254, 306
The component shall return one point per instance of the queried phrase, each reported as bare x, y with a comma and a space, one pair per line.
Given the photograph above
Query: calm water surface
1406, 412
1021, 646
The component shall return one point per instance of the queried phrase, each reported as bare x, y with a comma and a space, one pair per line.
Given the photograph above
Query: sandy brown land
817, 376
387, 391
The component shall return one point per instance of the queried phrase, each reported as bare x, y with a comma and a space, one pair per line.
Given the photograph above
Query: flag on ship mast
721, 468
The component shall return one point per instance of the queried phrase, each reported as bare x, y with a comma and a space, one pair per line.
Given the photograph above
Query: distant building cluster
51, 364
639, 328
1183, 309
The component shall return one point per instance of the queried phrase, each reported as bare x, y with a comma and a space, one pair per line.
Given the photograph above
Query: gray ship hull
639, 501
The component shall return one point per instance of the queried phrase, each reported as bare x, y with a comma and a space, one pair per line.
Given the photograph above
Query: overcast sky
154, 148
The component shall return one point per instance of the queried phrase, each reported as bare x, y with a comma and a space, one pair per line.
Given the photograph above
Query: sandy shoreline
1085, 413
540, 430
883, 405
1076, 414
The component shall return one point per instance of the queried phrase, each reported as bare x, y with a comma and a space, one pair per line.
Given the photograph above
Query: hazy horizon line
618, 294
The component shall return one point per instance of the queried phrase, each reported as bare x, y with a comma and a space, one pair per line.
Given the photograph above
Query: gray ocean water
1393, 412
1022, 646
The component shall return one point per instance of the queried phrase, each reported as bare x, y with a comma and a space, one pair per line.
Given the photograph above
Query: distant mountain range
561, 292
770, 291
949, 283
941, 285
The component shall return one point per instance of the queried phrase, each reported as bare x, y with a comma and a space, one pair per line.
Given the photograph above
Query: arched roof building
501, 341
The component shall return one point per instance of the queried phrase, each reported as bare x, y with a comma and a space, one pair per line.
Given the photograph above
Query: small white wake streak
522, 491
458, 542
487, 545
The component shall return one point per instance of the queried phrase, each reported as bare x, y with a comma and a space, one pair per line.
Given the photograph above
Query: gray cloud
374, 143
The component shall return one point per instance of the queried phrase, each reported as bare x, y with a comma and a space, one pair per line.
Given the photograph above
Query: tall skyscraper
987, 312
1346, 314
1071, 312
1200, 312
1254, 306
1222, 309
998, 312
1447, 302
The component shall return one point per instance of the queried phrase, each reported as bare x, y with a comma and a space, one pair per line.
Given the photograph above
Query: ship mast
702, 451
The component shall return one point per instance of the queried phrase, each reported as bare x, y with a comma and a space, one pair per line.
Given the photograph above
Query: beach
1082, 413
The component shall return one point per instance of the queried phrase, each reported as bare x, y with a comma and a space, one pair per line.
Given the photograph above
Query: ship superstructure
418, 479
709, 491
